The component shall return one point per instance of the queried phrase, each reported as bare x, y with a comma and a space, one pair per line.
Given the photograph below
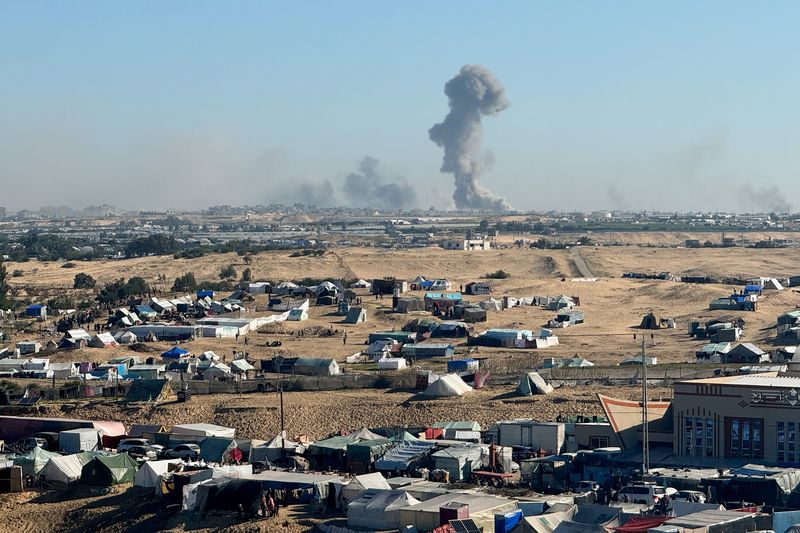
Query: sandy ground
613, 307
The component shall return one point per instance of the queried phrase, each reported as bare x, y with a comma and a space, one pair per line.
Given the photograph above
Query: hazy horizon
184, 105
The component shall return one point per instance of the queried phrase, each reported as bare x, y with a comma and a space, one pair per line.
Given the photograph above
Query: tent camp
63, 470
78, 440
404, 456
650, 321
356, 315
175, 353
151, 473
273, 449
220, 450
107, 470
377, 509
532, 383
34, 461
198, 432
447, 385
359, 484
491, 304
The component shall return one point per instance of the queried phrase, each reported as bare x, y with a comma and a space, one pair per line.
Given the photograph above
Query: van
646, 494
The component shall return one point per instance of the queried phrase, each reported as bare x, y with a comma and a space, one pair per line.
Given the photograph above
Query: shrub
84, 281
498, 274
69, 265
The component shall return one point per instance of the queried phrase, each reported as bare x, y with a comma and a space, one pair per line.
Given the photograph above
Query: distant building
467, 244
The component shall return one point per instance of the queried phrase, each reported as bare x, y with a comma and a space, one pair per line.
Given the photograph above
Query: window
744, 438
709, 437
780, 440
598, 442
698, 436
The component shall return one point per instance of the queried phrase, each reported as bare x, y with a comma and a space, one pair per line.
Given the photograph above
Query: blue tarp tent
174, 353
505, 523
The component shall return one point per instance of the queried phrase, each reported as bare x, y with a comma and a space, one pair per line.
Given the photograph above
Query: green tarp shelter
33, 461
107, 470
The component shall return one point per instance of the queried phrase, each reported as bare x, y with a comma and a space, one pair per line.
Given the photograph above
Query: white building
467, 244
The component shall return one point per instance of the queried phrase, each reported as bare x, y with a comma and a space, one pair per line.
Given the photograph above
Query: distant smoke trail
769, 199
473, 92
368, 187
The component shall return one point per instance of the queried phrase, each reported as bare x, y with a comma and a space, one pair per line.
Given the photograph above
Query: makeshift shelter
297, 315
426, 515
331, 452
447, 385
650, 321
220, 450
150, 390
310, 366
745, 353
362, 454
392, 363
125, 337
361, 284
773, 284
378, 509
146, 431
532, 383
356, 315
103, 340
274, 449
34, 461
409, 305
404, 456
491, 304
562, 302
360, 484
175, 353
151, 473
198, 432
63, 470
78, 440
233, 495
107, 470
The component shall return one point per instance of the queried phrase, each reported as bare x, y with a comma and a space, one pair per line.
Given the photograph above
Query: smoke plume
368, 187
473, 92
765, 199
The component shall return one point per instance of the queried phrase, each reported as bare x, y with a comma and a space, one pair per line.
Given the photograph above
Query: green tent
106, 470
33, 461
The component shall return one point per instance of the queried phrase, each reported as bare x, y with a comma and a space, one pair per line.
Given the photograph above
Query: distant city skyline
680, 106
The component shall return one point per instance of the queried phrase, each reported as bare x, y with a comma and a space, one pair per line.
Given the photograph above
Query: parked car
27, 444
587, 486
183, 451
645, 493
141, 453
125, 444
694, 496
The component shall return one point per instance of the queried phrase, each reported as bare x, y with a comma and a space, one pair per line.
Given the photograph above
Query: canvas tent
356, 315
64, 470
34, 461
359, 484
273, 449
447, 385
151, 473
220, 450
78, 440
773, 284
532, 383
650, 321
377, 509
107, 470
198, 432
491, 304
150, 390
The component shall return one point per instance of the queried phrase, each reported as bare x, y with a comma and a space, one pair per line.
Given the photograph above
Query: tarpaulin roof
641, 524
33, 461
108, 470
175, 352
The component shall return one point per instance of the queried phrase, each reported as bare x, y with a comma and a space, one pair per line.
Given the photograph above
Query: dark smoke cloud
368, 187
765, 199
473, 92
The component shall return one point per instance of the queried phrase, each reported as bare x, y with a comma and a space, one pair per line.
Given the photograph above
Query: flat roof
766, 379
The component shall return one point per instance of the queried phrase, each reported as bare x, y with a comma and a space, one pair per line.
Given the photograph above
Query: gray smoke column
472, 93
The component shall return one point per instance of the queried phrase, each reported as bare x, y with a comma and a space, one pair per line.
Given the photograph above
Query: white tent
392, 363
359, 484
63, 469
773, 284
361, 284
491, 305
125, 337
150, 473
447, 385
271, 450
533, 383
377, 510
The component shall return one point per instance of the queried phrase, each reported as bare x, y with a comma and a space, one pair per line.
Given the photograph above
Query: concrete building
754, 417
467, 244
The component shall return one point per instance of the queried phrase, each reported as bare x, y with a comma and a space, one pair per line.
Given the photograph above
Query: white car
646, 494
125, 444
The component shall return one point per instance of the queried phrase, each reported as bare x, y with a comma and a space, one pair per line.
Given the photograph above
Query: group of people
269, 504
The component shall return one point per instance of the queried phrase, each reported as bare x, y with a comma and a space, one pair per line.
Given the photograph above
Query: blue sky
639, 105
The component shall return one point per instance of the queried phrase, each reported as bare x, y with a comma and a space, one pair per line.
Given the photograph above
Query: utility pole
645, 431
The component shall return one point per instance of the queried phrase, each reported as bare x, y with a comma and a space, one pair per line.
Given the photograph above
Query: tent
355, 315
447, 385
532, 383
650, 321
150, 390
125, 337
197, 432
297, 315
273, 449
220, 450
175, 353
392, 363
773, 284
377, 509
359, 484
63, 470
34, 461
491, 305
233, 495
78, 440
107, 470
151, 473
404, 455
562, 302
361, 284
